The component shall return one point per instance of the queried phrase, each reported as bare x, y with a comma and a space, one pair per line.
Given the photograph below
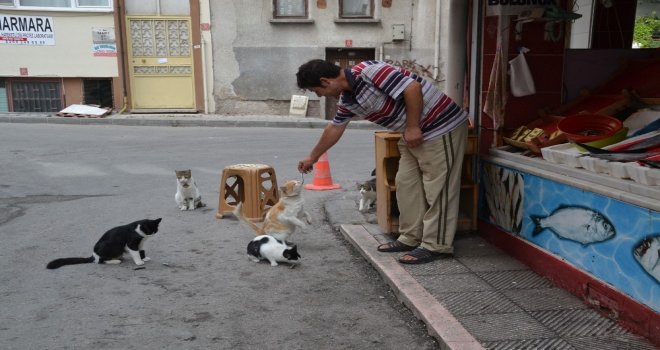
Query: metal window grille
4, 104
36, 96
98, 92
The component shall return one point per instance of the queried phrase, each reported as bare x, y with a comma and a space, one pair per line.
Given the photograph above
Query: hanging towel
522, 83
497, 94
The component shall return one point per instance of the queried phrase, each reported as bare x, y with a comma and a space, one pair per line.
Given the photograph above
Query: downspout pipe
204, 82
456, 49
121, 16
436, 44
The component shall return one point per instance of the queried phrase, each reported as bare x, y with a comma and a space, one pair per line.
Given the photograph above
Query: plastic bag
522, 82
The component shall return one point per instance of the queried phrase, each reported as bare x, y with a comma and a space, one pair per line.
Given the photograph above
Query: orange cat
283, 217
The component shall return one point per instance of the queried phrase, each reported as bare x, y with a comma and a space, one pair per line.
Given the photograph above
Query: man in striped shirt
434, 132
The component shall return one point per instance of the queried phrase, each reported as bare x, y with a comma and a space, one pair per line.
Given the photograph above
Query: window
98, 92
93, 3
60, 5
646, 33
289, 8
35, 96
45, 3
4, 104
356, 9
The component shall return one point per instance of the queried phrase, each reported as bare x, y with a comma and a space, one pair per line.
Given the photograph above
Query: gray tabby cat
187, 195
367, 194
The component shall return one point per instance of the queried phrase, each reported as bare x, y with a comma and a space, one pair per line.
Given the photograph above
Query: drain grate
525, 279
536, 344
486, 302
460, 282
578, 323
543, 299
612, 342
437, 267
492, 263
505, 327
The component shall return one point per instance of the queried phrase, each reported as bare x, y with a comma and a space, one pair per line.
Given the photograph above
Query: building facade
259, 45
129, 55
56, 53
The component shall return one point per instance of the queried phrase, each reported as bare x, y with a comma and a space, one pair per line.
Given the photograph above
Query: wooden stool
255, 185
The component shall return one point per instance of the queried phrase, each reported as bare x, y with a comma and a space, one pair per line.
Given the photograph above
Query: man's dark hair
309, 74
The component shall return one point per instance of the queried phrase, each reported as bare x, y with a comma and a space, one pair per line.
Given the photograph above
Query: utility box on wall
298, 105
398, 31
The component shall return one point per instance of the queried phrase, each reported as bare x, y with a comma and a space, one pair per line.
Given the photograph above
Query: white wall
72, 54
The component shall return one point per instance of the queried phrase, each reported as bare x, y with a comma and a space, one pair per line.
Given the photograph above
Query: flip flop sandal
420, 255
394, 246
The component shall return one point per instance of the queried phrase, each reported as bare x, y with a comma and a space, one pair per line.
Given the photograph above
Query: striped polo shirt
378, 97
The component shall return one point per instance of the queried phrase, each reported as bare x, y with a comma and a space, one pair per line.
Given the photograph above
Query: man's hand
413, 136
306, 165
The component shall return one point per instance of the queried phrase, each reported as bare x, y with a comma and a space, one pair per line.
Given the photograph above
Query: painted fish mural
575, 223
504, 197
646, 254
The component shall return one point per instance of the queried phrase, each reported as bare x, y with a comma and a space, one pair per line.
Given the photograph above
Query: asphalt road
62, 186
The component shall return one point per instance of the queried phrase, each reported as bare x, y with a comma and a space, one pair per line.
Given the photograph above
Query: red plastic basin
589, 127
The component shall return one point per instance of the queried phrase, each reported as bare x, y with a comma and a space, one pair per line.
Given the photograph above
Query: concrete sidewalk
479, 299
484, 299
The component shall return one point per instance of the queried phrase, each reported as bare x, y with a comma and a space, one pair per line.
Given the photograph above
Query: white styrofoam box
595, 165
640, 119
643, 175
618, 170
564, 153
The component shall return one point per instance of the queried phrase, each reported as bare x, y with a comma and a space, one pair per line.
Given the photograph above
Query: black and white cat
187, 195
367, 194
265, 247
112, 245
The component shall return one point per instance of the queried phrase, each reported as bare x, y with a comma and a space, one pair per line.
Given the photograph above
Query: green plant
647, 31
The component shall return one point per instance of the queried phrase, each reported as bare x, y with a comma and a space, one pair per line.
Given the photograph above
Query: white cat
265, 247
367, 194
283, 217
187, 195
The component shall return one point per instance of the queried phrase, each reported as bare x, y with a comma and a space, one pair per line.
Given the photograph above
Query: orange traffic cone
322, 178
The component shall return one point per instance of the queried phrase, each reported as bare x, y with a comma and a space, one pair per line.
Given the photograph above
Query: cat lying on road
268, 248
